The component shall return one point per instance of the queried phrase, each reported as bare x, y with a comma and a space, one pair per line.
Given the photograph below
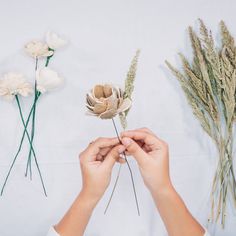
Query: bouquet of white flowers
13, 85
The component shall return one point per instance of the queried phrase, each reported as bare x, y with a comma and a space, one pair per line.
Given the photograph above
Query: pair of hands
151, 154
98, 159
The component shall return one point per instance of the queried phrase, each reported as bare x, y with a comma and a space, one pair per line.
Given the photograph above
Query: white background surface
103, 38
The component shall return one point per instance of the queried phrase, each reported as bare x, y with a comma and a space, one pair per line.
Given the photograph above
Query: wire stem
49, 57
20, 146
28, 166
131, 175
31, 147
113, 190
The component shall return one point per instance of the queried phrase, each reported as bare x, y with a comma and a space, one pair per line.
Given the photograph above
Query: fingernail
121, 149
126, 141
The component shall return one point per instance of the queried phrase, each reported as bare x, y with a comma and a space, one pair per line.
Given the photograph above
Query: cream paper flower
38, 49
106, 101
47, 79
54, 41
12, 84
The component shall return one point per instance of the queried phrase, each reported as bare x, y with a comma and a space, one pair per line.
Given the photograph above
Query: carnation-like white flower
54, 41
106, 101
38, 49
12, 84
47, 79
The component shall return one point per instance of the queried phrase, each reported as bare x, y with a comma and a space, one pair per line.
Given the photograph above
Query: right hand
97, 162
152, 156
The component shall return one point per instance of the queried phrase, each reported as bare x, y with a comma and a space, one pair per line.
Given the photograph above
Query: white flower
12, 84
47, 80
54, 41
38, 49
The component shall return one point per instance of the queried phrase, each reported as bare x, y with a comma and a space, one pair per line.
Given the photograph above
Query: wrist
162, 192
90, 196
87, 200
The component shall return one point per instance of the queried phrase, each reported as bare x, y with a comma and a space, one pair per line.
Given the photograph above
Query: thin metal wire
113, 190
131, 175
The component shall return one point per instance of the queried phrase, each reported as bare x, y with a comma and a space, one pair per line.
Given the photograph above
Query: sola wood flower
47, 79
54, 41
12, 84
38, 49
106, 101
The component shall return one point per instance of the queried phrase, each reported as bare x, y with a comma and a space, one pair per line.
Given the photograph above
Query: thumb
113, 156
134, 149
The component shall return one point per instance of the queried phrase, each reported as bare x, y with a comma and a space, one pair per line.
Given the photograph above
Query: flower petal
54, 41
98, 91
99, 108
90, 100
37, 49
108, 114
107, 90
14, 83
47, 79
126, 104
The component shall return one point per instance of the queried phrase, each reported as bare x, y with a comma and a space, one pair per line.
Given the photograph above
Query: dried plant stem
131, 175
224, 178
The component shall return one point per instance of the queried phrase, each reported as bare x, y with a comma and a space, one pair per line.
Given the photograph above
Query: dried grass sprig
129, 86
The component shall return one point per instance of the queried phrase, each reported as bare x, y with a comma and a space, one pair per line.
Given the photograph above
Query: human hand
97, 161
152, 157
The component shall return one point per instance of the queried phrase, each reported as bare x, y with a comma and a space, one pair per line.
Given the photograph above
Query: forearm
176, 217
76, 219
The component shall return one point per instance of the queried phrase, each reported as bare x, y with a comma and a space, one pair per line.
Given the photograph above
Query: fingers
148, 138
134, 149
146, 130
104, 151
122, 160
90, 153
99, 157
113, 156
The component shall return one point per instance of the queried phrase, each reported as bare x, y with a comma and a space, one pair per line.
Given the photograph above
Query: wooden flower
106, 101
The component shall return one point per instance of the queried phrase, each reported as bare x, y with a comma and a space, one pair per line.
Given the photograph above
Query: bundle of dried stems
209, 83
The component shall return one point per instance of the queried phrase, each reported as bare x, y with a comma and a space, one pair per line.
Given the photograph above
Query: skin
151, 154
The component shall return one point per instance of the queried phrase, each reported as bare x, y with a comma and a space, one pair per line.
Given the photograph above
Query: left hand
97, 161
152, 155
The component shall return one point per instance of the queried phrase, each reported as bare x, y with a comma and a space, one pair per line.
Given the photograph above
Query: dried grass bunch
209, 83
